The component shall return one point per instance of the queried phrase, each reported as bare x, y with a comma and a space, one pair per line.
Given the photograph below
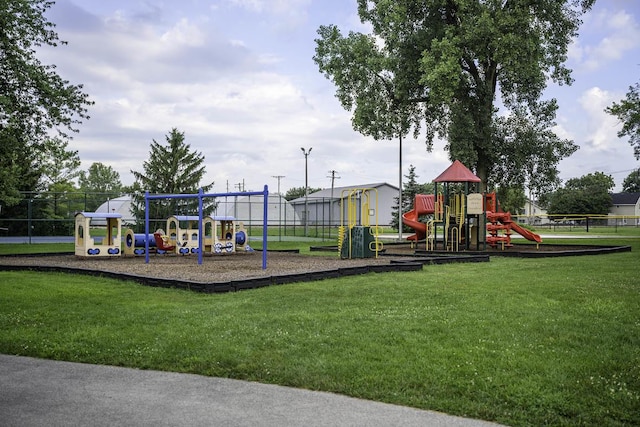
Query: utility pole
333, 178
279, 177
306, 189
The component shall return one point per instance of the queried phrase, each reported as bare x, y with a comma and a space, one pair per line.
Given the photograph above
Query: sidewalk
35, 392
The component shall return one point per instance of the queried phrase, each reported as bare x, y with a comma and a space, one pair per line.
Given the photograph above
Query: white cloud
602, 127
184, 33
608, 36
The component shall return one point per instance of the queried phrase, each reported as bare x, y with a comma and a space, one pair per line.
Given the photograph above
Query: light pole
306, 188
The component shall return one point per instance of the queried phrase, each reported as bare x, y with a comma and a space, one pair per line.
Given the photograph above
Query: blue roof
99, 214
186, 217
197, 218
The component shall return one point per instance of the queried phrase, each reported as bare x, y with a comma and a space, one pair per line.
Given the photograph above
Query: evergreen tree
171, 169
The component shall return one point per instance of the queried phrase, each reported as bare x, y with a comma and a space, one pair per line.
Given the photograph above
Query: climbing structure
359, 230
460, 217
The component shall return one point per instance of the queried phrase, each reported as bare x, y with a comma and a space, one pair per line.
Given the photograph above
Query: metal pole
306, 189
400, 191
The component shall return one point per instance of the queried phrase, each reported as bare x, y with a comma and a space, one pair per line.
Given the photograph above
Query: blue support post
146, 227
200, 196
264, 227
201, 226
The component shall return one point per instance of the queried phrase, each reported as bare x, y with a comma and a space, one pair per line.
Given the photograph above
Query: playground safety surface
233, 272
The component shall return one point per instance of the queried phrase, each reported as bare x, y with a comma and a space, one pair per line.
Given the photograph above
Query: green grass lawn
553, 341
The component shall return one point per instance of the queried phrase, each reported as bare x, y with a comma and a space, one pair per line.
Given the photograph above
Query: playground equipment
457, 214
500, 225
106, 245
134, 243
222, 235
189, 233
183, 232
357, 238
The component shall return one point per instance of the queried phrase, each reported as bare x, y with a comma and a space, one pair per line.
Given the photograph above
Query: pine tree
171, 169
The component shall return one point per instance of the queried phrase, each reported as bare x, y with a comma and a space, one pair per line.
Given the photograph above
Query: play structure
186, 234
222, 235
459, 217
358, 232
182, 233
93, 240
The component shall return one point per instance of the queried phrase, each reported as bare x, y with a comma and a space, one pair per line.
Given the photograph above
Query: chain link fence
52, 214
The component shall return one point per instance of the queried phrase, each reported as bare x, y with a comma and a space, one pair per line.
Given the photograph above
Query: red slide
422, 205
526, 233
505, 218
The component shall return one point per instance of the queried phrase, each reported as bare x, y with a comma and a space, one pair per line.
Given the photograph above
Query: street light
306, 188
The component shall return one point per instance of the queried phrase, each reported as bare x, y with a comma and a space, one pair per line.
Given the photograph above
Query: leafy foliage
526, 150
631, 183
34, 99
589, 194
99, 183
512, 198
171, 169
297, 192
438, 66
628, 111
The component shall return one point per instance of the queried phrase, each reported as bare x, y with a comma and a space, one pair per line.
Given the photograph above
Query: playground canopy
457, 172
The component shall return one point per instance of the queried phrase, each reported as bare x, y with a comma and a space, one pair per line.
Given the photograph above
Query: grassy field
518, 341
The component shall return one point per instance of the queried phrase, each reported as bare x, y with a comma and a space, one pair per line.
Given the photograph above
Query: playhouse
91, 243
459, 217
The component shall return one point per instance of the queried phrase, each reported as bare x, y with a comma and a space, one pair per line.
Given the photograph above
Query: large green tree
587, 195
440, 66
34, 99
99, 183
631, 183
173, 168
628, 112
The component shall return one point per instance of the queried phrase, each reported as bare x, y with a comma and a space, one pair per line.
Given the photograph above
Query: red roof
457, 172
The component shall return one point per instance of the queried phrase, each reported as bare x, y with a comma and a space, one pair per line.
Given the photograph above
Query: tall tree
171, 169
628, 112
441, 65
512, 198
56, 163
99, 183
526, 151
34, 99
631, 183
589, 194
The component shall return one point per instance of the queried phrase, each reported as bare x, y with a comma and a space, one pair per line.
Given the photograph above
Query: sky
238, 79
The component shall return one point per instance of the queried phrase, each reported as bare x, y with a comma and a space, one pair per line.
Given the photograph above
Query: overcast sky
237, 77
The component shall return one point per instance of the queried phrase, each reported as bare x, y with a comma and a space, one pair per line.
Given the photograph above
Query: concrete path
35, 392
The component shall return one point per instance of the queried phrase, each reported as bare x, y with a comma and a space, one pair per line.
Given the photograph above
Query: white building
119, 205
625, 209
250, 209
323, 207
